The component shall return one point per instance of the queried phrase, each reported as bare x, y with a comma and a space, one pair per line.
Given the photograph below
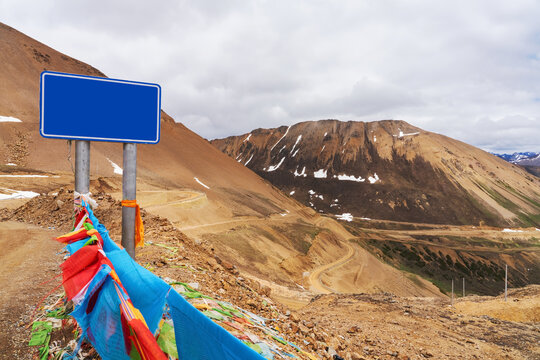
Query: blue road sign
99, 109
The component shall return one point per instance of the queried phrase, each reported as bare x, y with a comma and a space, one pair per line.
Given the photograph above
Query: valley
442, 253
350, 303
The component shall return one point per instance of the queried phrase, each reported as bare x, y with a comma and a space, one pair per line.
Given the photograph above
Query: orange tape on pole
139, 227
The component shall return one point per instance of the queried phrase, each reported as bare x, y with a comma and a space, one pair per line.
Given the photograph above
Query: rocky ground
383, 326
352, 326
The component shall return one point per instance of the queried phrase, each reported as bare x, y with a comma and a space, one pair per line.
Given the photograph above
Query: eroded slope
388, 170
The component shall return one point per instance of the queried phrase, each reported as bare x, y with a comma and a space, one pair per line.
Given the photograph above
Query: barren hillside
213, 222
204, 192
389, 170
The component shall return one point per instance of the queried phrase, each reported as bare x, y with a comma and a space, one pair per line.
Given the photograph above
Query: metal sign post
463, 287
129, 191
82, 166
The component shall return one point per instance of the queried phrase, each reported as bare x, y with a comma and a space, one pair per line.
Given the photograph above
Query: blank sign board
99, 109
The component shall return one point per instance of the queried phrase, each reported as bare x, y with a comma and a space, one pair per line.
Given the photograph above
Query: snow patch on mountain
275, 167
201, 183
350, 178
373, 179
303, 173
17, 194
402, 135
117, 169
281, 138
345, 217
9, 119
296, 143
314, 194
321, 174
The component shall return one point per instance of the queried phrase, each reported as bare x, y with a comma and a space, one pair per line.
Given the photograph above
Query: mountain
530, 161
220, 204
178, 160
522, 158
230, 211
388, 170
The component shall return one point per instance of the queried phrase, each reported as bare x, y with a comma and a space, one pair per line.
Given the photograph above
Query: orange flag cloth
139, 227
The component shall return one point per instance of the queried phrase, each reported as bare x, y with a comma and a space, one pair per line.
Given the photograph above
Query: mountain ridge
398, 171
527, 158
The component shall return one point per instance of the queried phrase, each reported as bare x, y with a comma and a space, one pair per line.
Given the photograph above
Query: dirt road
315, 276
28, 258
236, 221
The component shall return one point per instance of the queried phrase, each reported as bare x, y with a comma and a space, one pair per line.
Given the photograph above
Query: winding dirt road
316, 284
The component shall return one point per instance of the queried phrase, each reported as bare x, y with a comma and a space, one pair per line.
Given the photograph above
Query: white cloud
227, 67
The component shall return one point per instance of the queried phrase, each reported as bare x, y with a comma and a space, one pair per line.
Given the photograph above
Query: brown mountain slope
389, 170
220, 203
177, 159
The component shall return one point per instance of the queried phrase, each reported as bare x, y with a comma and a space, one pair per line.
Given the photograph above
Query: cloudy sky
467, 69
